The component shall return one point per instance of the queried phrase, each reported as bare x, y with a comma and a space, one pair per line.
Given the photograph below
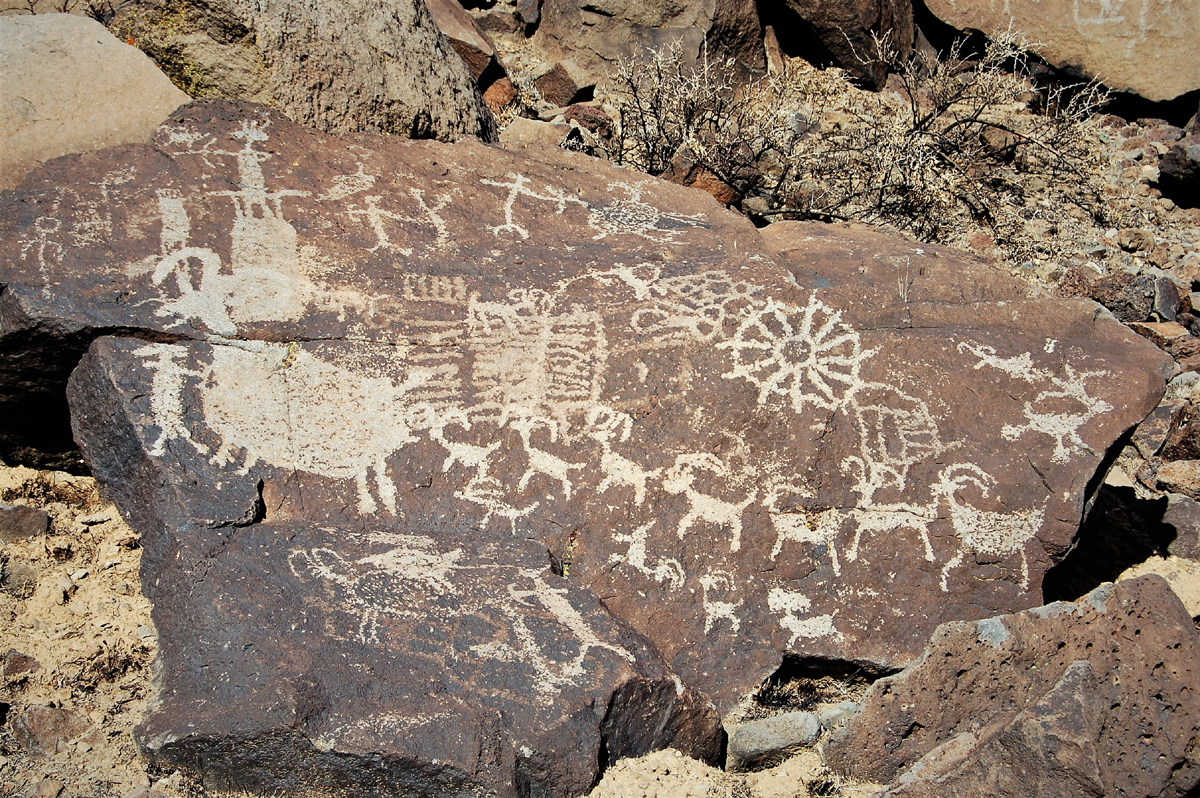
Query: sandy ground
72, 601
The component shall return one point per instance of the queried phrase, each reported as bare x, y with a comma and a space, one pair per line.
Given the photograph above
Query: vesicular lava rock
1091, 698
371, 354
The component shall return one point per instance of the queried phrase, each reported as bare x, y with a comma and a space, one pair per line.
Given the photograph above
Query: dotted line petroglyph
632, 216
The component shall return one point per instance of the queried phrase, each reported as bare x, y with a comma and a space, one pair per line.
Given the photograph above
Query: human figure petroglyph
715, 609
1040, 416
263, 278
376, 217
984, 531
519, 187
702, 507
667, 569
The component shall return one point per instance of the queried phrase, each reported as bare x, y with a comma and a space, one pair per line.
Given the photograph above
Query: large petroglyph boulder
591, 37
1092, 698
451, 346
1147, 47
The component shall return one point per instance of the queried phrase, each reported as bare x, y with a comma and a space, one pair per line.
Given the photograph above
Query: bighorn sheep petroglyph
701, 506
984, 531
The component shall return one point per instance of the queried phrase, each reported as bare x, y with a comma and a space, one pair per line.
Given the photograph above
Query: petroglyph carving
632, 216
370, 585
667, 569
261, 410
349, 185
396, 583
542, 462
680, 478
519, 187
984, 531
820, 529
532, 360
806, 355
553, 676
435, 288
720, 609
263, 277
792, 606
378, 217
605, 424
1047, 413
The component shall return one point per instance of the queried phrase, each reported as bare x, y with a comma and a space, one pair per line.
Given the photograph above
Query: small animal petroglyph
635, 557
717, 609
820, 529
381, 583
792, 607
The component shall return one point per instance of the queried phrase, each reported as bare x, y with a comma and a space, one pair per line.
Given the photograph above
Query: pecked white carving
528, 377
412, 578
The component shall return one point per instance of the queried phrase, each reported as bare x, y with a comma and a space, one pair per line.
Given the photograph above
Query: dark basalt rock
317, 338
1092, 698
373, 661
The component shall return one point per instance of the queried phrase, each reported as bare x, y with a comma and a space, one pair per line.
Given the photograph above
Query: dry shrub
961, 142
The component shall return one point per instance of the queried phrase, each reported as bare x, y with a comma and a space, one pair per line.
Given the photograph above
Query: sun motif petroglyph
806, 355
402, 582
1047, 413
